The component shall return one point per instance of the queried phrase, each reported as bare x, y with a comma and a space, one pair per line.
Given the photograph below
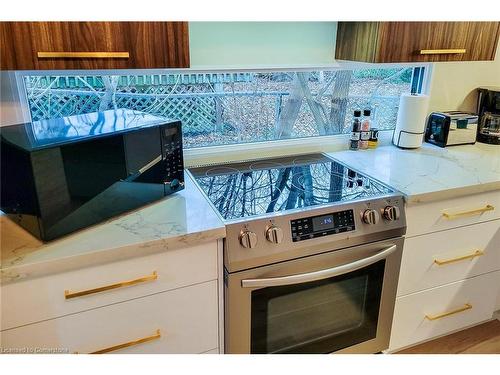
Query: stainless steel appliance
80, 170
311, 256
488, 108
451, 128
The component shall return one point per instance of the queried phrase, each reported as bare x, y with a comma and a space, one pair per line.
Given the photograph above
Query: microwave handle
318, 275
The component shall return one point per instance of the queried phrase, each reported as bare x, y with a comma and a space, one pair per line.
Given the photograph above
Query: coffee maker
488, 109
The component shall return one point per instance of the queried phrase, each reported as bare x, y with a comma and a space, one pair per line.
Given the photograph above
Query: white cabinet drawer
42, 298
430, 217
410, 325
442, 257
187, 320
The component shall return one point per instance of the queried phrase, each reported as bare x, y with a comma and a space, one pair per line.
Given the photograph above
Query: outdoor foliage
231, 107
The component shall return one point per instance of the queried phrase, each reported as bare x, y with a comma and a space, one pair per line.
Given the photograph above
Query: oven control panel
322, 225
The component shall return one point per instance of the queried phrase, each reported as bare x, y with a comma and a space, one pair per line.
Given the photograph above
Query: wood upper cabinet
385, 42
93, 45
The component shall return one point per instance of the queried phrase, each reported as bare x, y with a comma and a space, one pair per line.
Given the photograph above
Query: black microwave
65, 174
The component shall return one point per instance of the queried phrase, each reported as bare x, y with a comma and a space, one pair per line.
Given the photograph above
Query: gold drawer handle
156, 336
68, 294
442, 51
83, 55
466, 307
478, 211
476, 253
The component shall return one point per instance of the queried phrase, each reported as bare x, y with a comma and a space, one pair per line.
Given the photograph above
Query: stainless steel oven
311, 254
338, 301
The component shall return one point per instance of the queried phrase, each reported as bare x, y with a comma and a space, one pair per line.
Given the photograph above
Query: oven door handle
318, 275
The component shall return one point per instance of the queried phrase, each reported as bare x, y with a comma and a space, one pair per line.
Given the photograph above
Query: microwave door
152, 158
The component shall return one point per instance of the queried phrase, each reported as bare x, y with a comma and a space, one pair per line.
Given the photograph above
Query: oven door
339, 301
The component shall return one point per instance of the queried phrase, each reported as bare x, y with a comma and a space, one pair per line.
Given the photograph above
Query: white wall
251, 44
453, 83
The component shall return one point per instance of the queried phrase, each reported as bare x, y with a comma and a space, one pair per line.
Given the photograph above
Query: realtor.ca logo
35, 350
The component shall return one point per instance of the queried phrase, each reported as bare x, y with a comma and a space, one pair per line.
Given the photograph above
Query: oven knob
371, 216
391, 213
274, 234
248, 239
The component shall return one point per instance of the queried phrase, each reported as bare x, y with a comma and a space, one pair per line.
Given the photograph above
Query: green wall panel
251, 44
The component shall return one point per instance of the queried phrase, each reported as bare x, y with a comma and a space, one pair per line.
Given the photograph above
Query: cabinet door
437, 41
385, 42
94, 45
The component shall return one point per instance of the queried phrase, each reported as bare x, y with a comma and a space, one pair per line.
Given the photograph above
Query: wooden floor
481, 339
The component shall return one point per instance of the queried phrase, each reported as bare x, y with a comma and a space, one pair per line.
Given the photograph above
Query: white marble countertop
186, 218
179, 220
430, 173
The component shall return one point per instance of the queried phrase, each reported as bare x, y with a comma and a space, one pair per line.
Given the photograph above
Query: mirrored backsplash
218, 108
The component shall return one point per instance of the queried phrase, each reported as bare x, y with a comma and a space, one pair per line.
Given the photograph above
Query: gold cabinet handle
68, 294
442, 51
83, 55
477, 211
476, 253
467, 306
156, 336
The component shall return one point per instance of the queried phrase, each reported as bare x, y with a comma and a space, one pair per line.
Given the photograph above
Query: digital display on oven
322, 223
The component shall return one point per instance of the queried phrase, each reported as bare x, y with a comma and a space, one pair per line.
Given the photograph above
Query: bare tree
340, 100
327, 121
284, 125
109, 97
219, 107
317, 109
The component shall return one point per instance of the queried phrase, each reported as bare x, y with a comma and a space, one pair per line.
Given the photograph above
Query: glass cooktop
255, 188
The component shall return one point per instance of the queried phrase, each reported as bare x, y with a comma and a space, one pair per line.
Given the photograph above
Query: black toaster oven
64, 174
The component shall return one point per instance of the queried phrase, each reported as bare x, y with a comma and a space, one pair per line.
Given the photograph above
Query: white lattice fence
197, 113
59, 105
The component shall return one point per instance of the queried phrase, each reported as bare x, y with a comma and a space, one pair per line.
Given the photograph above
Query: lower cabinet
450, 270
452, 255
38, 299
184, 320
434, 312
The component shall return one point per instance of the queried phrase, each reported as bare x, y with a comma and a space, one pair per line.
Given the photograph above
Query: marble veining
430, 172
179, 220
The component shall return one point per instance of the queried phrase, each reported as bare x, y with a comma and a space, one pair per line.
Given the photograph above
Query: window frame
250, 150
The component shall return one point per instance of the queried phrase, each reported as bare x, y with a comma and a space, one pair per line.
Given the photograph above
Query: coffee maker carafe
488, 109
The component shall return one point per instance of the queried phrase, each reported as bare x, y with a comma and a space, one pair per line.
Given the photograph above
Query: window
233, 107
